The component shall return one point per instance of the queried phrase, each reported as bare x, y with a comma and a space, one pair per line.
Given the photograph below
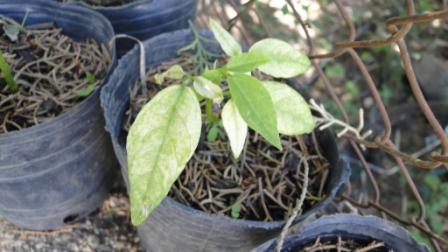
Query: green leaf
255, 106
336, 70
84, 92
423, 239
174, 72
246, 62
225, 39
293, 113
317, 24
432, 181
285, 60
12, 85
91, 78
11, 31
285, 9
213, 75
208, 89
236, 209
235, 126
366, 56
352, 88
436, 225
159, 78
212, 133
162, 139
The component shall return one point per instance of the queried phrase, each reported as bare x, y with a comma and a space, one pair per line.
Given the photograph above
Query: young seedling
166, 132
11, 29
236, 209
12, 85
84, 92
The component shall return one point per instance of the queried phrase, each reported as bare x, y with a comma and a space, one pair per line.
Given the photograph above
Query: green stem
209, 110
12, 85
227, 93
185, 82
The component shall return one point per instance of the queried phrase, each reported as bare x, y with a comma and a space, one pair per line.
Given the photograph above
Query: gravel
108, 229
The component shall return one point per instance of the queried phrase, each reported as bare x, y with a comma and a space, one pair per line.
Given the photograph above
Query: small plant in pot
167, 130
55, 157
229, 220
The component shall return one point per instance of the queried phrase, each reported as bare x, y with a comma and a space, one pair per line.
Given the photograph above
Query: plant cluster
166, 132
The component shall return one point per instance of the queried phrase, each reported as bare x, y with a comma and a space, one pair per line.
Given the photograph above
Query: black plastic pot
173, 226
147, 18
58, 171
361, 229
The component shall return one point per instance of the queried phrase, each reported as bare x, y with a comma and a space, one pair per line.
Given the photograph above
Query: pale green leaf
228, 44
293, 113
285, 60
159, 78
212, 133
175, 72
11, 31
162, 139
246, 62
236, 209
208, 89
213, 75
255, 106
90, 78
235, 126
84, 92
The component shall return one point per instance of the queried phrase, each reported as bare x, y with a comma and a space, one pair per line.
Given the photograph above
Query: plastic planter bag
361, 229
146, 18
58, 171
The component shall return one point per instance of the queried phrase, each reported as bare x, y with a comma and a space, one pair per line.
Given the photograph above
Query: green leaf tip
228, 44
213, 75
174, 72
293, 113
285, 61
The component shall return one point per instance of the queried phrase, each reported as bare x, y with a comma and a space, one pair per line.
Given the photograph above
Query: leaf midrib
165, 136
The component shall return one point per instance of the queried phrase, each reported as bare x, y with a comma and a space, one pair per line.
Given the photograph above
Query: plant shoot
166, 132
